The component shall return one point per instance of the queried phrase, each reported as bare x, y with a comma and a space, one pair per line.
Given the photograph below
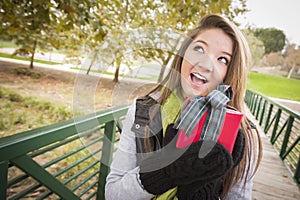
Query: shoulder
149, 99
144, 108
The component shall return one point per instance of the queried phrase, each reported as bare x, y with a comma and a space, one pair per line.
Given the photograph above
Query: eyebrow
202, 41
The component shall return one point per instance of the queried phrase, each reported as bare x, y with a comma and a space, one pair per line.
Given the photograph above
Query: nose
205, 62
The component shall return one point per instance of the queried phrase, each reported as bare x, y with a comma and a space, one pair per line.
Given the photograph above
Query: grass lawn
274, 86
7, 55
6, 44
20, 113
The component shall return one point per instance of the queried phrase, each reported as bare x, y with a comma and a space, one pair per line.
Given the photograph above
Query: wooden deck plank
272, 180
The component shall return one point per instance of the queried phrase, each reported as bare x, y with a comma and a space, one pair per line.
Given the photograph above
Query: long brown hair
236, 78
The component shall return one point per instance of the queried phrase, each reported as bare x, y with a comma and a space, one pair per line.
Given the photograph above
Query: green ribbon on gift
195, 107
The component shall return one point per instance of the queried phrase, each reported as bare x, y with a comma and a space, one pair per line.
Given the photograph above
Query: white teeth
200, 77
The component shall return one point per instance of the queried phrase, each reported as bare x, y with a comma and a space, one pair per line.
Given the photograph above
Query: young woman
147, 164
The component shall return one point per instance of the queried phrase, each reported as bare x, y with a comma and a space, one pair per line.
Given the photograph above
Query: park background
49, 48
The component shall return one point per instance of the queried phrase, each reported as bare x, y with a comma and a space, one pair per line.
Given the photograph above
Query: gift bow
215, 102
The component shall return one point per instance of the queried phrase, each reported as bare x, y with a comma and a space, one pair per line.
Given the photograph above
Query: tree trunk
166, 61
118, 64
291, 71
93, 60
116, 78
32, 55
163, 68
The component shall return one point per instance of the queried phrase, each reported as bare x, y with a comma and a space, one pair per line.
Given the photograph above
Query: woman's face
206, 62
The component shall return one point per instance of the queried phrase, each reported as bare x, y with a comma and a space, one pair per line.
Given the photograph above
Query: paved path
294, 105
47, 56
69, 68
272, 180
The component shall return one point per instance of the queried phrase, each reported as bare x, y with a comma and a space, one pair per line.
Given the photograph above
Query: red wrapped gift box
228, 132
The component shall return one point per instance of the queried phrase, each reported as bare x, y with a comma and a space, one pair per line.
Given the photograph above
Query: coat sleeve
241, 191
123, 181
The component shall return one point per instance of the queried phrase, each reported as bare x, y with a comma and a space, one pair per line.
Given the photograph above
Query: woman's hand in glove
171, 166
211, 190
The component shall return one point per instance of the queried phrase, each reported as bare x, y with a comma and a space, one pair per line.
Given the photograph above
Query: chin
201, 94
203, 91
192, 93
190, 90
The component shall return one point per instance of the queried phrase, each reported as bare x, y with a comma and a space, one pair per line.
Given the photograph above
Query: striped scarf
194, 108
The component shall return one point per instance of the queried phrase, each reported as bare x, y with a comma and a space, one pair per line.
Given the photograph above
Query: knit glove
158, 176
200, 191
211, 190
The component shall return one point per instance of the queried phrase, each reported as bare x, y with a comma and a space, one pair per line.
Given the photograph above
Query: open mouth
198, 79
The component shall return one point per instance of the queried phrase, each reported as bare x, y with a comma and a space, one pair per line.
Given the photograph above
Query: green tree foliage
184, 15
74, 24
32, 23
121, 17
273, 39
256, 46
180, 16
24, 21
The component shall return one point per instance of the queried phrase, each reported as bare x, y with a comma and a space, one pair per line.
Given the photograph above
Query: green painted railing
67, 160
281, 125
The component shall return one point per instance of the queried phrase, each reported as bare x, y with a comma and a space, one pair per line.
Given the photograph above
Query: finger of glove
160, 159
217, 163
170, 134
156, 182
238, 149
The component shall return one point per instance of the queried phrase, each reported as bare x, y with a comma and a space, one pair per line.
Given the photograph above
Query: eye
199, 49
224, 60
